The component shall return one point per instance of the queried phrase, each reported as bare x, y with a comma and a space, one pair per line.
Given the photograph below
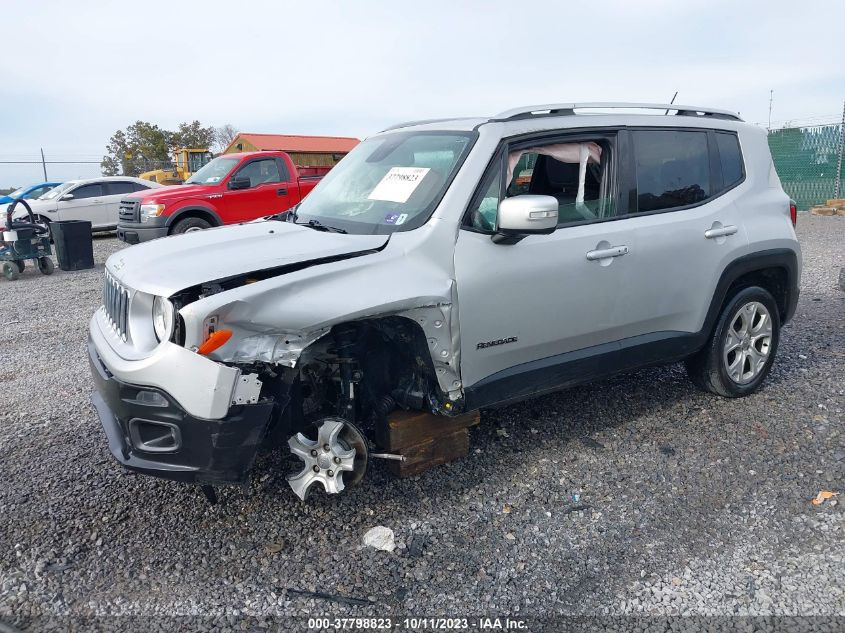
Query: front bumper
136, 233
148, 432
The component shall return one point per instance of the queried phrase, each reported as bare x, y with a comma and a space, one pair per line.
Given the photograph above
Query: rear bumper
135, 233
148, 432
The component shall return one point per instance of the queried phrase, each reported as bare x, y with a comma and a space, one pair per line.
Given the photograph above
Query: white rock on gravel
380, 538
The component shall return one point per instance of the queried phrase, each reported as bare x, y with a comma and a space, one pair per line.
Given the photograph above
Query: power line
50, 162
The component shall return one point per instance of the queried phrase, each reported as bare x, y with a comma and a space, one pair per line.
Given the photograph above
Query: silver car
96, 200
444, 267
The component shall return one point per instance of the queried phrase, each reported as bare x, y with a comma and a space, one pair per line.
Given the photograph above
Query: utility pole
771, 97
43, 164
838, 188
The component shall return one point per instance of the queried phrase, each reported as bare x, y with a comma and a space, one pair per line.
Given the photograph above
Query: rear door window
673, 168
121, 187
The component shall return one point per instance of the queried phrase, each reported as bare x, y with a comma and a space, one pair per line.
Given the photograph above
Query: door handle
721, 231
604, 253
281, 191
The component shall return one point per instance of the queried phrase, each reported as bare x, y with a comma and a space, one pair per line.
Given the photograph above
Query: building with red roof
303, 150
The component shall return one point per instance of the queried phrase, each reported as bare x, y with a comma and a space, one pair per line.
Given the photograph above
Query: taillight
793, 212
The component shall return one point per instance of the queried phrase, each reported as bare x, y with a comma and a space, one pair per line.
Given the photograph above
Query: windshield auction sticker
398, 184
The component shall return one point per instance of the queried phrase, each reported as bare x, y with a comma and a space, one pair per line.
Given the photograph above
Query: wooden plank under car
425, 440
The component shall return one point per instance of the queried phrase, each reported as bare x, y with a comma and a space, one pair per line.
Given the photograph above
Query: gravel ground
636, 494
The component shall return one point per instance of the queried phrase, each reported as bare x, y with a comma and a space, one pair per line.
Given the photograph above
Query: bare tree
223, 136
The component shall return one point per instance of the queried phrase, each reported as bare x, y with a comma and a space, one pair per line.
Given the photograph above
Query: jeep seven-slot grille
116, 305
129, 210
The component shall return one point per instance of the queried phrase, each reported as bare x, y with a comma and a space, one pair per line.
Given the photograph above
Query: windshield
17, 193
214, 172
55, 193
387, 183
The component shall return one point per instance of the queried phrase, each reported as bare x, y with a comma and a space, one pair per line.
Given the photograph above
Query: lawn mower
21, 240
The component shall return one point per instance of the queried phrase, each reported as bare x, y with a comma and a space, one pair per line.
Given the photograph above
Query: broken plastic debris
380, 538
823, 496
507, 508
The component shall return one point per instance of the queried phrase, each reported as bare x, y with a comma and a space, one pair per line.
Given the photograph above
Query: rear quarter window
730, 157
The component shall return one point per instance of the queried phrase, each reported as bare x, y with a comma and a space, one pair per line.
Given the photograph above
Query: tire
188, 225
45, 265
46, 222
21, 265
736, 360
10, 271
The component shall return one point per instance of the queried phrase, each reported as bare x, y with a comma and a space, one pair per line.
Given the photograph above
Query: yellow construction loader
186, 161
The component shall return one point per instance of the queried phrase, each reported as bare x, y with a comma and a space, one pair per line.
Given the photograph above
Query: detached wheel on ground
741, 350
188, 225
45, 265
10, 271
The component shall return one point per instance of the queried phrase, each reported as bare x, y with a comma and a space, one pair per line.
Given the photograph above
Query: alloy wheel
748, 342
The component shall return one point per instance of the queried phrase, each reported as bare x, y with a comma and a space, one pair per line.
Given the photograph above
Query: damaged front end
150, 432
296, 364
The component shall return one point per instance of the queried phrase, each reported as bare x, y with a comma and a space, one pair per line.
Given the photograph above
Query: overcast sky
74, 72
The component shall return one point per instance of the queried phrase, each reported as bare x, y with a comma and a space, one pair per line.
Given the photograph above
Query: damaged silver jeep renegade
447, 266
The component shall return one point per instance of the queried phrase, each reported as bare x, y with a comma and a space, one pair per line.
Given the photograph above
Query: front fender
189, 207
275, 319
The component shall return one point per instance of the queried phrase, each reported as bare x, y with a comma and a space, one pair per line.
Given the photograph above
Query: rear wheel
45, 265
21, 265
741, 351
189, 225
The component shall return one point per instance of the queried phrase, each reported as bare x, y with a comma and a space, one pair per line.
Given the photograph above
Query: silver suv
448, 266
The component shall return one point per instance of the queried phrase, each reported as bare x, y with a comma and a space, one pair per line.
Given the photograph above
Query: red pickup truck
231, 188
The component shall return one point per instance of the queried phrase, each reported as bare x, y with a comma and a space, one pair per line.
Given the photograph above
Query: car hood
168, 265
170, 193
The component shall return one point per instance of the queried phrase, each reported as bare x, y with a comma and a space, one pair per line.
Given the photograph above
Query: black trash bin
74, 245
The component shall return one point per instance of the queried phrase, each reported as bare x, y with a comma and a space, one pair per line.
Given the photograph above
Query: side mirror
525, 215
67, 196
240, 182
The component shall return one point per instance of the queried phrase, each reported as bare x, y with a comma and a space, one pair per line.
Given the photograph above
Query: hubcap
193, 229
748, 342
326, 459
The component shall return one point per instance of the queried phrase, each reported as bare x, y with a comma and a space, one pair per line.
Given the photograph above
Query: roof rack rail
568, 109
399, 126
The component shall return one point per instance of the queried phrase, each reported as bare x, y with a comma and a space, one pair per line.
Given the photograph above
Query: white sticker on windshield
398, 184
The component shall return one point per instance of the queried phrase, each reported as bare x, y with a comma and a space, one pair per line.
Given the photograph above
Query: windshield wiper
319, 226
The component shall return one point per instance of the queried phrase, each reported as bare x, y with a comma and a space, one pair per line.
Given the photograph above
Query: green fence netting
806, 161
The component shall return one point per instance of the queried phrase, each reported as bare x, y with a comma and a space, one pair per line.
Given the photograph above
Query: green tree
192, 135
141, 147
